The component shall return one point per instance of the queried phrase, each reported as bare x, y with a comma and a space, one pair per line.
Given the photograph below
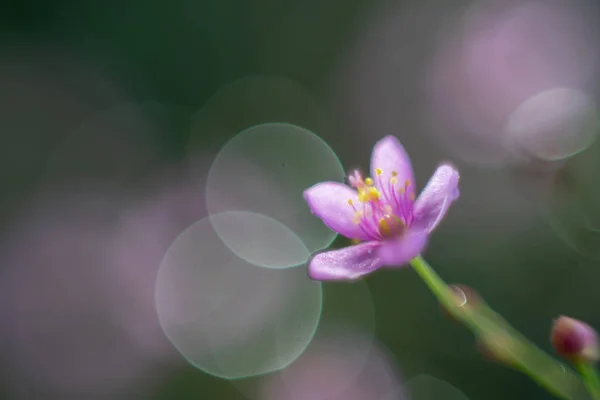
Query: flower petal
390, 157
329, 201
398, 252
436, 198
345, 264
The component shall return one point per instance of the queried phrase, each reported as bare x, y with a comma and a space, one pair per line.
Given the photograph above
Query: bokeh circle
344, 341
261, 240
230, 318
554, 124
265, 170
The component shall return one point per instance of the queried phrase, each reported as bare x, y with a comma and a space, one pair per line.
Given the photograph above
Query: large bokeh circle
265, 170
230, 318
554, 124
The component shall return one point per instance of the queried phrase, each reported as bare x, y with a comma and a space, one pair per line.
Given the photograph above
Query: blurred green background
532, 255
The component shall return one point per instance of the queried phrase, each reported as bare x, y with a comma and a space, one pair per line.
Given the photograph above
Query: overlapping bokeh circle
230, 318
264, 170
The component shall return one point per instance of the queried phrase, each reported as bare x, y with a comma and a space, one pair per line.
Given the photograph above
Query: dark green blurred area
180, 52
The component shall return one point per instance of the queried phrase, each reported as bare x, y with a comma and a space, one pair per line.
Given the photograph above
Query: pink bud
574, 340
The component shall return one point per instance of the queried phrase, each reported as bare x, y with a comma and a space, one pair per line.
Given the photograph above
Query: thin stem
590, 378
503, 340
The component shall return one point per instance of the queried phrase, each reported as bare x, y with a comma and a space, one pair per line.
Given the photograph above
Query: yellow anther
373, 194
378, 171
355, 241
394, 173
350, 202
368, 194
393, 180
362, 196
407, 183
369, 181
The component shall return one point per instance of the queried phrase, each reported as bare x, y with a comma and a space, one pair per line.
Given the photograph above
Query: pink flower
380, 213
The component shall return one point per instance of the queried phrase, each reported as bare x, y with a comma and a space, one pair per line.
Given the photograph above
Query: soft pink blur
77, 288
332, 369
499, 55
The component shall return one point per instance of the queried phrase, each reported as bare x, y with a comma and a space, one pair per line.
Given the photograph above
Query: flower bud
574, 340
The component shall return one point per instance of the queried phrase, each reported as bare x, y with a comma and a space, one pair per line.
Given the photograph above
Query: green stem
590, 378
434, 282
503, 340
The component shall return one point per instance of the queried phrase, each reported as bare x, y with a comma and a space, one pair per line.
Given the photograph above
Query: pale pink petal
390, 157
329, 201
345, 264
399, 251
436, 198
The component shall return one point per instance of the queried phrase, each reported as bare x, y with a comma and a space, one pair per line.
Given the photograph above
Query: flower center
390, 226
382, 212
